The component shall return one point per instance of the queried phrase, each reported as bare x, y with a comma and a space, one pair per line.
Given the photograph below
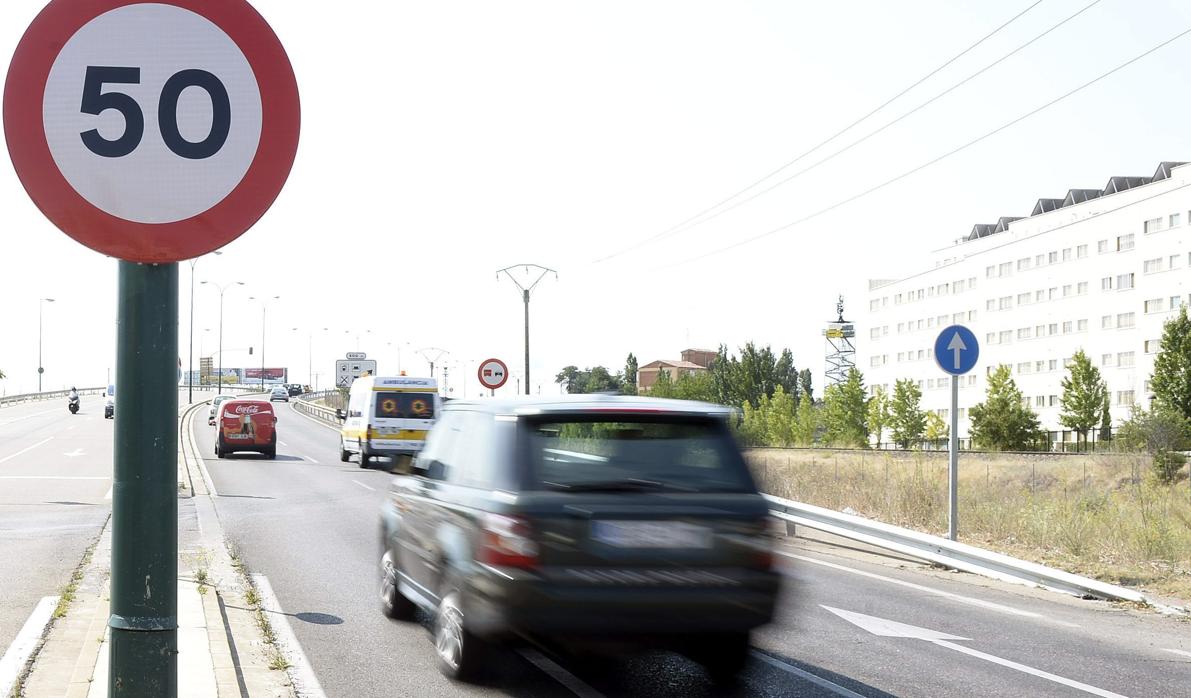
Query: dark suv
579, 522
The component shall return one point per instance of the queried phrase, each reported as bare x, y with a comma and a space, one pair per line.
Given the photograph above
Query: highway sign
493, 373
956, 350
151, 132
347, 371
356, 355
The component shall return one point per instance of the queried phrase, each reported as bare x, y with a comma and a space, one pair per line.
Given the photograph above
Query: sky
444, 141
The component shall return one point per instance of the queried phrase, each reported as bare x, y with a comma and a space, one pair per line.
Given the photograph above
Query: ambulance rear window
394, 405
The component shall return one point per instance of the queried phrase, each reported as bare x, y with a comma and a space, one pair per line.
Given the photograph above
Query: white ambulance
387, 417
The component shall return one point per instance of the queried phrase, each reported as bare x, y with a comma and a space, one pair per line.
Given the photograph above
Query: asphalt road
309, 524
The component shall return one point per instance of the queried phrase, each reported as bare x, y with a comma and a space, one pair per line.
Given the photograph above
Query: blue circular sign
956, 350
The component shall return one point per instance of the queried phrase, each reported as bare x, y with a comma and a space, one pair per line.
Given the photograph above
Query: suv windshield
393, 405
619, 454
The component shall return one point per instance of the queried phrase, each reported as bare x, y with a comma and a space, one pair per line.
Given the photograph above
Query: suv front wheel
392, 602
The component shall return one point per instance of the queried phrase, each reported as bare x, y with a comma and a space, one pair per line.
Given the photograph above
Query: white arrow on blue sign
956, 350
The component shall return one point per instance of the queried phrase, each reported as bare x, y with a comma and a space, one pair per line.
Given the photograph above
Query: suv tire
460, 655
723, 656
392, 602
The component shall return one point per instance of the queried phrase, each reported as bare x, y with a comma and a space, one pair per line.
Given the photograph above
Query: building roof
666, 363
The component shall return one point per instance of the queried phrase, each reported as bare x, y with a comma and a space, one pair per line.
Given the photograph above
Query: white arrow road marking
25, 450
956, 346
889, 628
1185, 654
75, 453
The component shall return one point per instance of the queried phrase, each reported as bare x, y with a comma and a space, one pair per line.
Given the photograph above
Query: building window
1023, 264
1067, 254
1176, 261
873, 304
1124, 242
1054, 364
1176, 219
1124, 281
1005, 269
919, 324
1152, 265
1023, 298
1082, 326
1067, 289
1102, 246
874, 333
1124, 397
990, 304
959, 285
930, 322
1176, 302
971, 315
1053, 400
1153, 225
1040, 330
1040, 260
1154, 305
1125, 320
1024, 367
1040, 401
1081, 251
1039, 296
1106, 322
1023, 333
1106, 360
990, 338
901, 356
1106, 283
1005, 303
971, 282
957, 318
1039, 366
1081, 288
1153, 345
1068, 326
990, 272
897, 300
1052, 293
1052, 329
1052, 258
1005, 337
885, 330
1125, 359
875, 361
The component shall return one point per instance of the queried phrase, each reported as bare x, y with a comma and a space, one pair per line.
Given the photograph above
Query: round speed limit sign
151, 132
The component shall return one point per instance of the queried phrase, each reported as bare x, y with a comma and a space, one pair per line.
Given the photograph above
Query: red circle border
480, 374
151, 243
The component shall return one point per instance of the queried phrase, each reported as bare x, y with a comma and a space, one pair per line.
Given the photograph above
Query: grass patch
1099, 515
276, 659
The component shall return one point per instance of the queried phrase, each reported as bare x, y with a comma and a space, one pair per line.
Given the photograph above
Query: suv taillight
507, 542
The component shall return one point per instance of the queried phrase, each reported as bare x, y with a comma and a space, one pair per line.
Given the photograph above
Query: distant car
109, 402
279, 393
246, 425
583, 522
294, 389
215, 407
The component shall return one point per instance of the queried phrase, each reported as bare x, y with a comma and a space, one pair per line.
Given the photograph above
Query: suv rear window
585, 453
404, 405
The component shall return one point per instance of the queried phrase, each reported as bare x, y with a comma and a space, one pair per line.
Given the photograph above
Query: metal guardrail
323, 414
52, 395
951, 554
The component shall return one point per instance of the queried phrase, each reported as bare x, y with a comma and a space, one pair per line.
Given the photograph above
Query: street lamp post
525, 291
190, 361
264, 306
222, 289
40, 369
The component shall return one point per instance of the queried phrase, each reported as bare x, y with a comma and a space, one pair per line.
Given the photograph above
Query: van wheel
271, 454
460, 654
365, 458
344, 454
392, 602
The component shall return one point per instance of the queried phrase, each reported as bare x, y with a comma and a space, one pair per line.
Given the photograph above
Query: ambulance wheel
344, 454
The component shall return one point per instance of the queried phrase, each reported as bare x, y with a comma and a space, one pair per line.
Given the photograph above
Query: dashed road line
26, 449
370, 489
556, 672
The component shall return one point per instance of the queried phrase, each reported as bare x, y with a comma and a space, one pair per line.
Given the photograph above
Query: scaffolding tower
841, 351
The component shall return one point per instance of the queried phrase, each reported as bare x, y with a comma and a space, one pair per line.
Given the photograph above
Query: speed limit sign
151, 131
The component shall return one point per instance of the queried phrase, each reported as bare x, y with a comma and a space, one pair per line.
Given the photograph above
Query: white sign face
493, 374
170, 116
346, 372
356, 355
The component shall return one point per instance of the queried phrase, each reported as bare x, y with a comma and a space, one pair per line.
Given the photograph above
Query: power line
824, 142
913, 111
927, 164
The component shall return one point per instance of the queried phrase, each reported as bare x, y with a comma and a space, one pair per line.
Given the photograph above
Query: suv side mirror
435, 470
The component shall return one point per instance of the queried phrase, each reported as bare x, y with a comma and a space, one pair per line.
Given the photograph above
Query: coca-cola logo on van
246, 409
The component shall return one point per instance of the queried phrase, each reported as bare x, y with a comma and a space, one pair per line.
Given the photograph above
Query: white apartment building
1100, 269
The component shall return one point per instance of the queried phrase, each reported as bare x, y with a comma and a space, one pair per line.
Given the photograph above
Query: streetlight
222, 289
40, 369
264, 305
310, 355
437, 353
190, 361
525, 291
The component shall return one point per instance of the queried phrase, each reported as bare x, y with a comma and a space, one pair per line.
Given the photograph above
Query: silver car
215, 407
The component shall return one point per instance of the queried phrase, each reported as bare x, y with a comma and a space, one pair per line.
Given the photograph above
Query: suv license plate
651, 534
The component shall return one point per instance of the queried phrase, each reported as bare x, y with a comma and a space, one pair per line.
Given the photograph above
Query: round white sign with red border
493, 373
151, 131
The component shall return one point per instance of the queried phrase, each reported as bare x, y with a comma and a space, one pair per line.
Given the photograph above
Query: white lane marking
911, 585
75, 453
816, 680
1185, 654
26, 640
308, 458
54, 477
301, 675
28, 416
1029, 670
370, 489
556, 672
283, 444
25, 450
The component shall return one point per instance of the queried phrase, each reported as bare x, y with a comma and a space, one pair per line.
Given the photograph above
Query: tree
1162, 432
878, 413
787, 374
589, 380
662, 387
2, 376
568, 377
804, 382
1084, 393
630, 375
695, 385
906, 418
1105, 421
1003, 421
936, 428
844, 412
806, 423
1172, 367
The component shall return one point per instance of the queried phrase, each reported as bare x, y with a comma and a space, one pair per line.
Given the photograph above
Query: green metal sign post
144, 623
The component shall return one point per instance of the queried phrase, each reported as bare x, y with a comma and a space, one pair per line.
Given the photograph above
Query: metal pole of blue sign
144, 591
953, 464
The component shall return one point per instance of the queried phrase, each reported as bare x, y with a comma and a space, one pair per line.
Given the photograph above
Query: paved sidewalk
221, 651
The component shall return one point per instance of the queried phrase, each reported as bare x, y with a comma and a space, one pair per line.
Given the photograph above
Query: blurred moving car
295, 389
109, 402
215, 403
279, 393
246, 425
583, 522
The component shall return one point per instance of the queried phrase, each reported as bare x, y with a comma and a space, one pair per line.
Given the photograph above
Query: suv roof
596, 402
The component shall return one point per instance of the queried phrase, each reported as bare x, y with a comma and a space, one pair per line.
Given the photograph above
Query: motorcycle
73, 405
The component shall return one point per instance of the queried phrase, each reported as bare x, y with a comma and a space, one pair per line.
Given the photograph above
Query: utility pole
222, 290
428, 352
40, 368
525, 291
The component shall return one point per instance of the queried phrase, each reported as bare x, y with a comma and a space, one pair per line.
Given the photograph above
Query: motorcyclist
74, 394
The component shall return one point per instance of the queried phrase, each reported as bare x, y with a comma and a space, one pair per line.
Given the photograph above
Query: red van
246, 425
